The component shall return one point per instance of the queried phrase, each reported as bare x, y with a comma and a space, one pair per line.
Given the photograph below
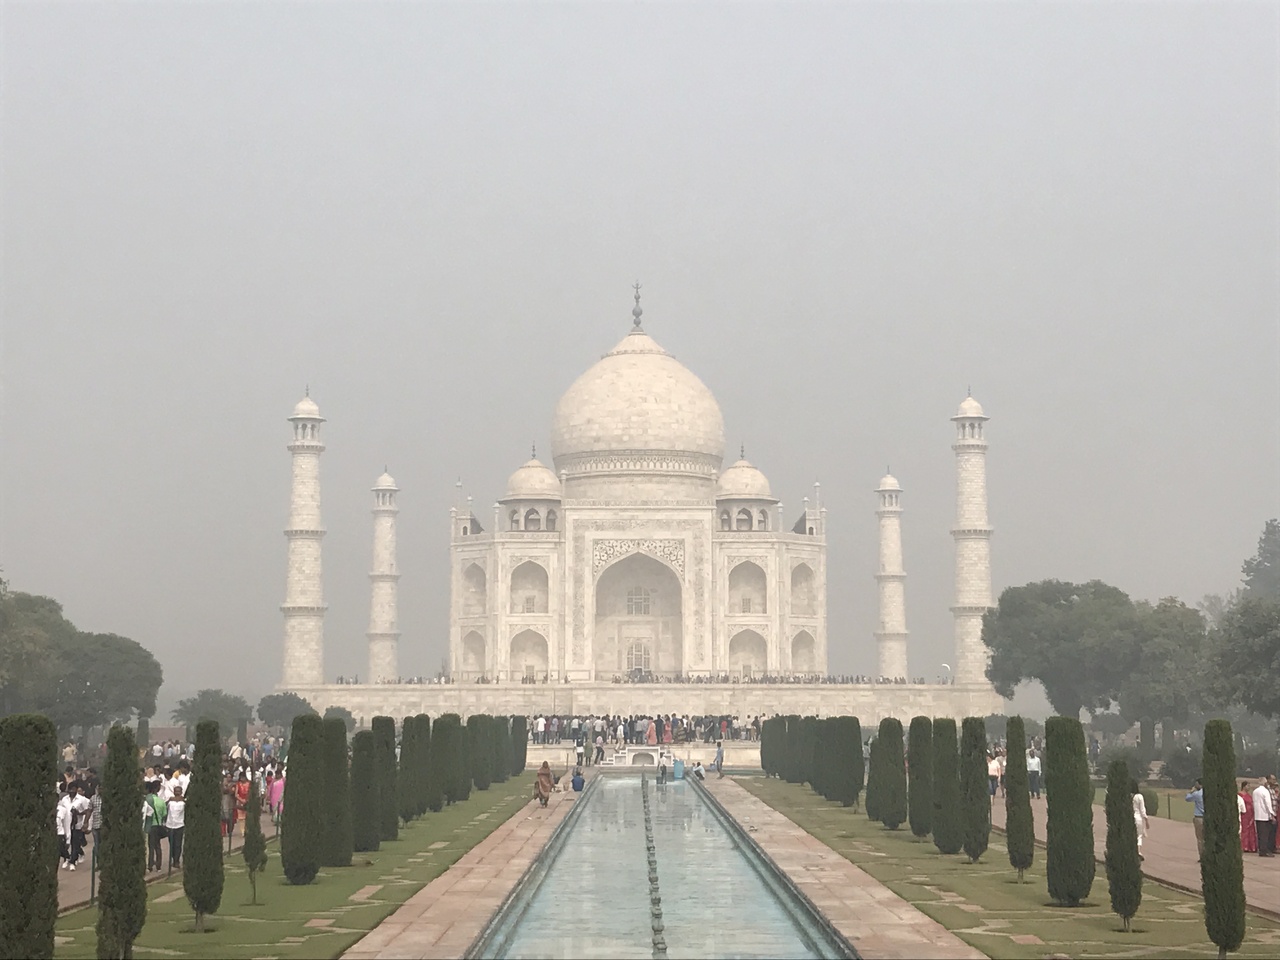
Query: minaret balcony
302, 610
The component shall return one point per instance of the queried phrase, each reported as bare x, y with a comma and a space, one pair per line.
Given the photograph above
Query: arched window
515, 519
638, 656
726, 522
638, 601
744, 519
551, 520
532, 520
764, 520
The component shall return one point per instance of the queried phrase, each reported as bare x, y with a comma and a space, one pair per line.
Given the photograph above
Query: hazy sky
843, 215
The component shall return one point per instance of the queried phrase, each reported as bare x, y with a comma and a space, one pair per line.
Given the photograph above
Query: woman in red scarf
242, 796
1248, 829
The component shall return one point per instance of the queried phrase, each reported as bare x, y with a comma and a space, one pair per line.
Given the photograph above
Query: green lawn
984, 904
278, 927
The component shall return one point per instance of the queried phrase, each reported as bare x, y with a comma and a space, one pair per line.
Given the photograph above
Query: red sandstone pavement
73, 886
1170, 851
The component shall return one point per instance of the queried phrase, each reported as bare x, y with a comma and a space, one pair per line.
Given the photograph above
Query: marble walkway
879, 923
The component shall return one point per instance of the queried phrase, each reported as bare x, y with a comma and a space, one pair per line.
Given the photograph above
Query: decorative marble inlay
604, 552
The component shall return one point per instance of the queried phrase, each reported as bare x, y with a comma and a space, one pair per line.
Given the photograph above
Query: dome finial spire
742, 451
636, 311
533, 451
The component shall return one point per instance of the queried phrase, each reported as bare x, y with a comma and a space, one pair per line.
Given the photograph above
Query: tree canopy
1164, 677
1078, 639
227, 709
1262, 570
1246, 656
279, 709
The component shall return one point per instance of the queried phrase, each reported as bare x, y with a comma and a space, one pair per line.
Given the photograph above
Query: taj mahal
637, 573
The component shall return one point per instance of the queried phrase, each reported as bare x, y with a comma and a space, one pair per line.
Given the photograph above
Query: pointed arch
804, 600
748, 589
475, 591
530, 591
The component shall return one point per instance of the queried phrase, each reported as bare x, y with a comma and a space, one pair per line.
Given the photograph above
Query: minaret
304, 605
972, 534
891, 638
384, 635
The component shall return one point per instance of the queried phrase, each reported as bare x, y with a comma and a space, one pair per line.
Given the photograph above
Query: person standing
154, 812
1140, 820
1196, 797
174, 824
1033, 773
1248, 828
718, 763
1264, 818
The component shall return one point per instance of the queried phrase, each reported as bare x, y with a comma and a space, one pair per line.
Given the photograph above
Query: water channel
647, 870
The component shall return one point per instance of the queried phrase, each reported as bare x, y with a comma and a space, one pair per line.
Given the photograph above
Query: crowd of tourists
618, 731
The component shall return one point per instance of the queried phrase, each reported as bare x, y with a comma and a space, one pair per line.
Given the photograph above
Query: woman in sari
1248, 828
543, 785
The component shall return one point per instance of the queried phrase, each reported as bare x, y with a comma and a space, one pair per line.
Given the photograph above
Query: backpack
158, 810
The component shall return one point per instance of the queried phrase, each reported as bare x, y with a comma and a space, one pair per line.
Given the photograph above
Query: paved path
1170, 851
443, 918
878, 922
73, 886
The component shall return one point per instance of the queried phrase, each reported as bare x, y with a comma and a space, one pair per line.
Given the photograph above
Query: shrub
1151, 799
338, 839
1183, 767
122, 903
519, 744
1124, 872
447, 757
1069, 863
478, 761
255, 844
1019, 825
920, 776
388, 814
1256, 762
1222, 866
947, 834
893, 785
28, 844
1131, 757
872, 805
406, 775
366, 829
421, 790
202, 873
975, 791
302, 829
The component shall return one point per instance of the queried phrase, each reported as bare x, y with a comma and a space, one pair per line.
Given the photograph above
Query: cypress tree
849, 761
893, 795
1124, 873
1019, 826
519, 744
500, 745
920, 776
825, 771
302, 840
478, 760
387, 813
28, 844
447, 758
872, 805
406, 775
460, 764
1222, 866
948, 835
769, 747
437, 764
423, 734
255, 844
122, 903
338, 839
792, 766
975, 790
1069, 863
808, 749
202, 874
366, 832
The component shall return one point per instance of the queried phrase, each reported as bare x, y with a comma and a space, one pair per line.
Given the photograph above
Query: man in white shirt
1033, 773
1264, 815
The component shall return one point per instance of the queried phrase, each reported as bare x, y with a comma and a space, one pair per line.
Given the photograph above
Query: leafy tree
406, 776
279, 709
32, 634
948, 835
1246, 656
255, 843
975, 792
478, 750
893, 785
302, 839
520, 744
28, 844
422, 786
1146, 743
388, 812
202, 872
337, 837
920, 776
1222, 865
1165, 677
224, 708
1183, 767
343, 714
1069, 863
122, 903
1077, 639
1019, 825
875, 780
1124, 872
1262, 570
365, 824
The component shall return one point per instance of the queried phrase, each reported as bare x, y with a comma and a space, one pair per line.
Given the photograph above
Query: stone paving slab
879, 923
1171, 858
444, 918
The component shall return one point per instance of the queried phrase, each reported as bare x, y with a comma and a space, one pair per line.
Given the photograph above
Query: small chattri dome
533, 481
742, 481
970, 407
889, 482
385, 482
306, 410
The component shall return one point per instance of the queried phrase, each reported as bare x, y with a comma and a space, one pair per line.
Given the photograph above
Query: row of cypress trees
825, 753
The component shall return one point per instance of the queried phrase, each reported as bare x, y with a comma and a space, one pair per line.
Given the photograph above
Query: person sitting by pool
578, 782
543, 785
697, 770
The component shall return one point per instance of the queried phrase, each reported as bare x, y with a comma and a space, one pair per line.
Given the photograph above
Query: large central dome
638, 408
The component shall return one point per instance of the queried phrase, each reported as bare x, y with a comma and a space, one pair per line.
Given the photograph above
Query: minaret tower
891, 638
384, 632
304, 605
972, 534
